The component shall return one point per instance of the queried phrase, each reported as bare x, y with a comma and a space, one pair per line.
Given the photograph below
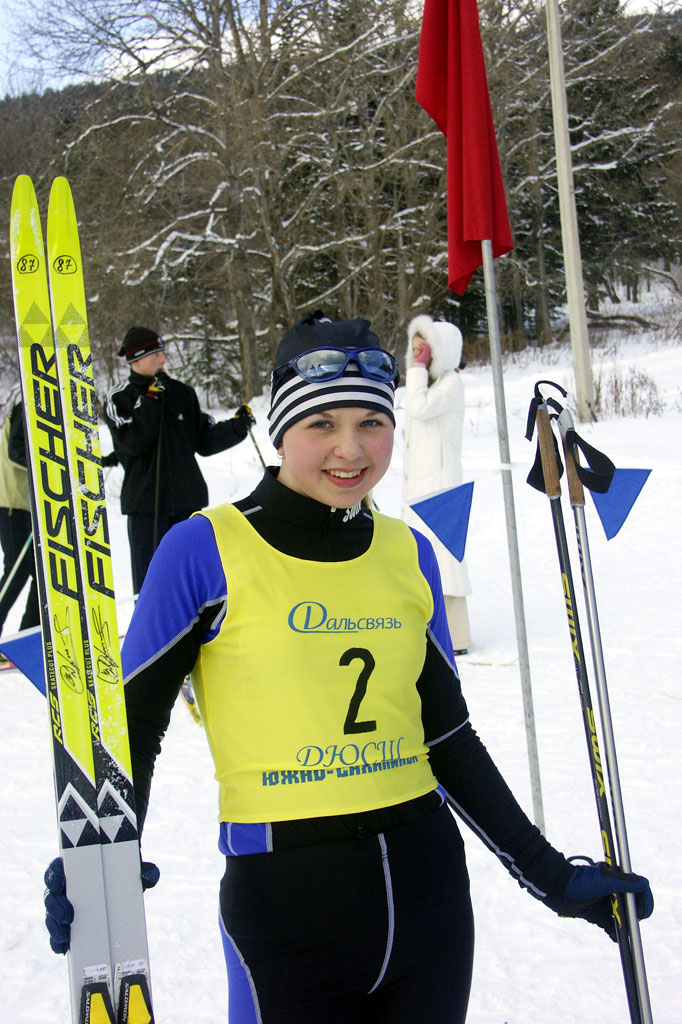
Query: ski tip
62, 227
23, 194
23, 182
60, 192
26, 236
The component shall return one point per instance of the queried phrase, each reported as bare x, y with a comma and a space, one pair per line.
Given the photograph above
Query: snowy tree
618, 108
238, 164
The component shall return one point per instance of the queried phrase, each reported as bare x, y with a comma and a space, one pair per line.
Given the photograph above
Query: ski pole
550, 470
577, 499
255, 445
15, 567
157, 479
255, 442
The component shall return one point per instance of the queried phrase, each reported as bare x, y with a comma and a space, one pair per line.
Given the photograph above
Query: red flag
452, 87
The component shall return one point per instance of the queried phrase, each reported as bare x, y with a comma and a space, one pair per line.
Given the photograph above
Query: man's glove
58, 909
588, 895
111, 459
155, 390
244, 418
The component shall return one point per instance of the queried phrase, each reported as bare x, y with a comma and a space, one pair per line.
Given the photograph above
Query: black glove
58, 909
155, 390
245, 417
588, 895
110, 460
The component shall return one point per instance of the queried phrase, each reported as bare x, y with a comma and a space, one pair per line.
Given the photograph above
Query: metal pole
569, 220
512, 540
255, 444
577, 499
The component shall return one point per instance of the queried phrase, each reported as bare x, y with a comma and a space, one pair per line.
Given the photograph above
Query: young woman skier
316, 634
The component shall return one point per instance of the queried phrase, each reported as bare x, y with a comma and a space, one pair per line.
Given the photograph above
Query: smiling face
336, 456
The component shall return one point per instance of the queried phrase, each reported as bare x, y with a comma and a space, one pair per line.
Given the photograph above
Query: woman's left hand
589, 890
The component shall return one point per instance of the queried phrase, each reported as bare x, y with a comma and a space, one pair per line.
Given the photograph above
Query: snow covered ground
530, 966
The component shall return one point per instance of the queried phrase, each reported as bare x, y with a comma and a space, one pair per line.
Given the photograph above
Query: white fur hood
445, 341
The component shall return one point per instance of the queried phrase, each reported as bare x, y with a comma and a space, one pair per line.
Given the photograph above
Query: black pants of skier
15, 527
144, 536
376, 929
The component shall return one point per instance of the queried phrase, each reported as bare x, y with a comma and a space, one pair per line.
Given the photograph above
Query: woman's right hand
58, 909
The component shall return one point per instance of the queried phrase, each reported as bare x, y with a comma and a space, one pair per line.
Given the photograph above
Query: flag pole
573, 269
512, 540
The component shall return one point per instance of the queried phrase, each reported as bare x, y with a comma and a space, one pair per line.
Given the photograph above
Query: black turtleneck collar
143, 380
303, 527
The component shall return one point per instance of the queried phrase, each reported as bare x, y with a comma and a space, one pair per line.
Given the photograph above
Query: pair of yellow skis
108, 958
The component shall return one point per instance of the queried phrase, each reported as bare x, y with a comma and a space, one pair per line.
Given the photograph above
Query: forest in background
238, 164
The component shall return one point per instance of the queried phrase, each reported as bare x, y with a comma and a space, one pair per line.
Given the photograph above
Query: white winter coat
434, 421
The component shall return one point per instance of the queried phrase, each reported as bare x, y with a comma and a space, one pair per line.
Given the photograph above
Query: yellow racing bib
308, 692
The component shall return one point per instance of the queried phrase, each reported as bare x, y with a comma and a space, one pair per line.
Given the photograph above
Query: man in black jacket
157, 428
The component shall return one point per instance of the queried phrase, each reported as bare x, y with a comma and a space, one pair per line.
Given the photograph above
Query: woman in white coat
434, 420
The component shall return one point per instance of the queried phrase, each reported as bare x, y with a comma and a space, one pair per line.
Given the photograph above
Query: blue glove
58, 909
588, 895
150, 874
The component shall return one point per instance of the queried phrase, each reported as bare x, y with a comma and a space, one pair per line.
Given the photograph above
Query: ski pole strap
536, 477
601, 470
600, 473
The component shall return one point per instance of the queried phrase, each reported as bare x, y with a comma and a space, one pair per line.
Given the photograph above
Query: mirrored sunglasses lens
322, 364
381, 364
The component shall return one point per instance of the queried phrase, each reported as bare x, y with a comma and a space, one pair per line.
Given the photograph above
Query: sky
13, 82
529, 964
5, 37
9, 49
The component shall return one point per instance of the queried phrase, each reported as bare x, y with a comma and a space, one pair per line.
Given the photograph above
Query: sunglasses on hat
323, 364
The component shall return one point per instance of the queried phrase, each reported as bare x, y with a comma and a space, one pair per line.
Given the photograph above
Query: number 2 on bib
351, 725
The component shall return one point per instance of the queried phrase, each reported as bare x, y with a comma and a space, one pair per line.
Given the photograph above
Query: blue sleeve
438, 626
185, 582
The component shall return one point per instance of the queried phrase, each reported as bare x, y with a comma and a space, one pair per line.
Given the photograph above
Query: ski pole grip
576, 491
550, 470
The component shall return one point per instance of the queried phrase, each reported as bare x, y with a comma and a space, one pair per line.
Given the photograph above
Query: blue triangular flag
25, 650
614, 507
447, 514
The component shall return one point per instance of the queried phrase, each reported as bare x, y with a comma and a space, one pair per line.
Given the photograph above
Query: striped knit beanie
293, 398
138, 343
